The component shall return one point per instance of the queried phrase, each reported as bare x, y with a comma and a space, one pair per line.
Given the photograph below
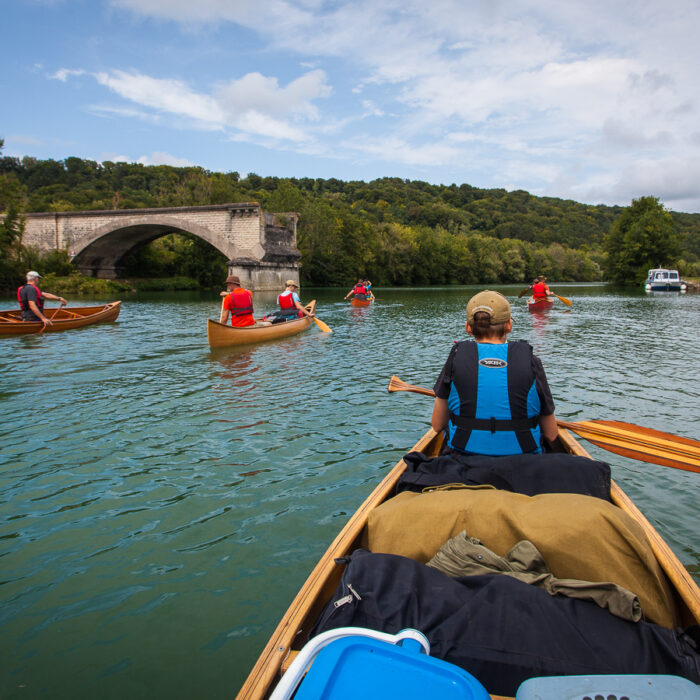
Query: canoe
539, 305
220, 335
63, 318
319, 588
361, 302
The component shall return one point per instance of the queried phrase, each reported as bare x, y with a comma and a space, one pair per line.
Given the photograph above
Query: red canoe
539, 305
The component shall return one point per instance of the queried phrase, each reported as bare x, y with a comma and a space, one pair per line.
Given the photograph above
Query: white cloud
163, 94
254, 104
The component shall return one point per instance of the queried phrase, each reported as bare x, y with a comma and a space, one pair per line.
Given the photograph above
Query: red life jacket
286, 302
539, 290
360, 289
22, 299
242, 302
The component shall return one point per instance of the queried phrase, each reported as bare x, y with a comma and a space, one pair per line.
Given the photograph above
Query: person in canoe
237, 303
290, 306
31, 299
540, 290
492, 395
359, 291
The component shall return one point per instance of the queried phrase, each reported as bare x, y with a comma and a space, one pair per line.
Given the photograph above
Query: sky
595, 101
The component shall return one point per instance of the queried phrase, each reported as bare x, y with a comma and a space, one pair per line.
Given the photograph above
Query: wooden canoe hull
540, 305
323, 580
361, 302
222, 336
62, 319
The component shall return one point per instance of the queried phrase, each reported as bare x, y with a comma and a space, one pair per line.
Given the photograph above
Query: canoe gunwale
323, 579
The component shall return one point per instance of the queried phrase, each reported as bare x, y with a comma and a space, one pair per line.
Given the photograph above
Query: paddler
492, 396
238, 303
359, 291
290, 306
540, 290
31, 299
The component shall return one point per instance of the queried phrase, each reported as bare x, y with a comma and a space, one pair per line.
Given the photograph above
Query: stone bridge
261, 248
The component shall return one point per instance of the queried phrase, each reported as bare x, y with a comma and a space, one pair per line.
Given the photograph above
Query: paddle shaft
52, 316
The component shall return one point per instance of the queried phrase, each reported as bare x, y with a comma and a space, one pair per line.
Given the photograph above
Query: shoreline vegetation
395, 232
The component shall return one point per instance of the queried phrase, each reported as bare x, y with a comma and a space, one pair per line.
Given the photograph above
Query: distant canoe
62, 319
361, 302
221, 335
539, 305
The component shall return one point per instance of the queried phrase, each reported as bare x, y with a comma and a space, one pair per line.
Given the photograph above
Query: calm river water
160, 504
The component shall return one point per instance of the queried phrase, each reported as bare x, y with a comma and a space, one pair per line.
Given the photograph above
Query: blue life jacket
493, 401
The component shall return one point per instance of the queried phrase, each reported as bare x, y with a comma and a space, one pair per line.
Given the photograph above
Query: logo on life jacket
493, 363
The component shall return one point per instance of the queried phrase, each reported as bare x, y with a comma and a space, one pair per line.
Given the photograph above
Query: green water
161, 504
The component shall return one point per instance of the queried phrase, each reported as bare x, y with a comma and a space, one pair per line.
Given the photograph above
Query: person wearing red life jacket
290, 306
31, 299
540, 290
359, 291
238, 304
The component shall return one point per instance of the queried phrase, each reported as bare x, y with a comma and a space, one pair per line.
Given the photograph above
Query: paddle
626, 439
324, 327
639, 443
60, 306
566, 301
524, 292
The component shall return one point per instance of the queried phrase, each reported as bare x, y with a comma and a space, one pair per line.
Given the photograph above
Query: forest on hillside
395, 231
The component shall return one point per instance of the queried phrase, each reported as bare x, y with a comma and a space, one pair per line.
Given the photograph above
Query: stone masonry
261, 247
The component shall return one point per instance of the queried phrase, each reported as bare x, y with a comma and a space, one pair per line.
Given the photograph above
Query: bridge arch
103, 252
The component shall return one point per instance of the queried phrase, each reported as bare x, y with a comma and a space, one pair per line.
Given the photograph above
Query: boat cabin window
673, 275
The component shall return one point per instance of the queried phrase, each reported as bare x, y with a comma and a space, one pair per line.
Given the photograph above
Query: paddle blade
637, 442
324, 327
396, 384
564, 300
524, 292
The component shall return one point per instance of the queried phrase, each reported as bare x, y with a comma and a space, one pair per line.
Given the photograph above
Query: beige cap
290, 283
493, 303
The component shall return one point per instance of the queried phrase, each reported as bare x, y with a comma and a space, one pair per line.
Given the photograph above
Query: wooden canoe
220, 335
62, 319
539, 305
318, 589
361, 302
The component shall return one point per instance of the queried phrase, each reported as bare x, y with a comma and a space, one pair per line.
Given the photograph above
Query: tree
643, 236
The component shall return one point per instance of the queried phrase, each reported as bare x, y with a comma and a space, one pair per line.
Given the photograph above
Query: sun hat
233, 279
32, 273
493, 303
290, 283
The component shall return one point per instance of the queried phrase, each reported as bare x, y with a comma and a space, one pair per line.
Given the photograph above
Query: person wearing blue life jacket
492, 395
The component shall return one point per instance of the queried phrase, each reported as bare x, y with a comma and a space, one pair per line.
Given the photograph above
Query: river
160, 504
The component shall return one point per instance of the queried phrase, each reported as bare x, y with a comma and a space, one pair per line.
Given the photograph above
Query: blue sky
595, 101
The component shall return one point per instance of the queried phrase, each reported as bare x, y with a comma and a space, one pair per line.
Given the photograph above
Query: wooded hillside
395, 231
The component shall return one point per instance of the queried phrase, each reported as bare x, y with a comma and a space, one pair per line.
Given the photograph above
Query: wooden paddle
524, 292
60, 306
566, 301
639, 443
626, 439
324, 327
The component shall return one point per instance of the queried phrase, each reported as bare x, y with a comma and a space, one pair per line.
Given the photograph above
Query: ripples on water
160, 504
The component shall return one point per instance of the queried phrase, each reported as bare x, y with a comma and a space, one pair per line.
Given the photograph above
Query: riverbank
79, 285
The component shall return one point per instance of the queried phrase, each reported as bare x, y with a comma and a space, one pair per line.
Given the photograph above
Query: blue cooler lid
360, 667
